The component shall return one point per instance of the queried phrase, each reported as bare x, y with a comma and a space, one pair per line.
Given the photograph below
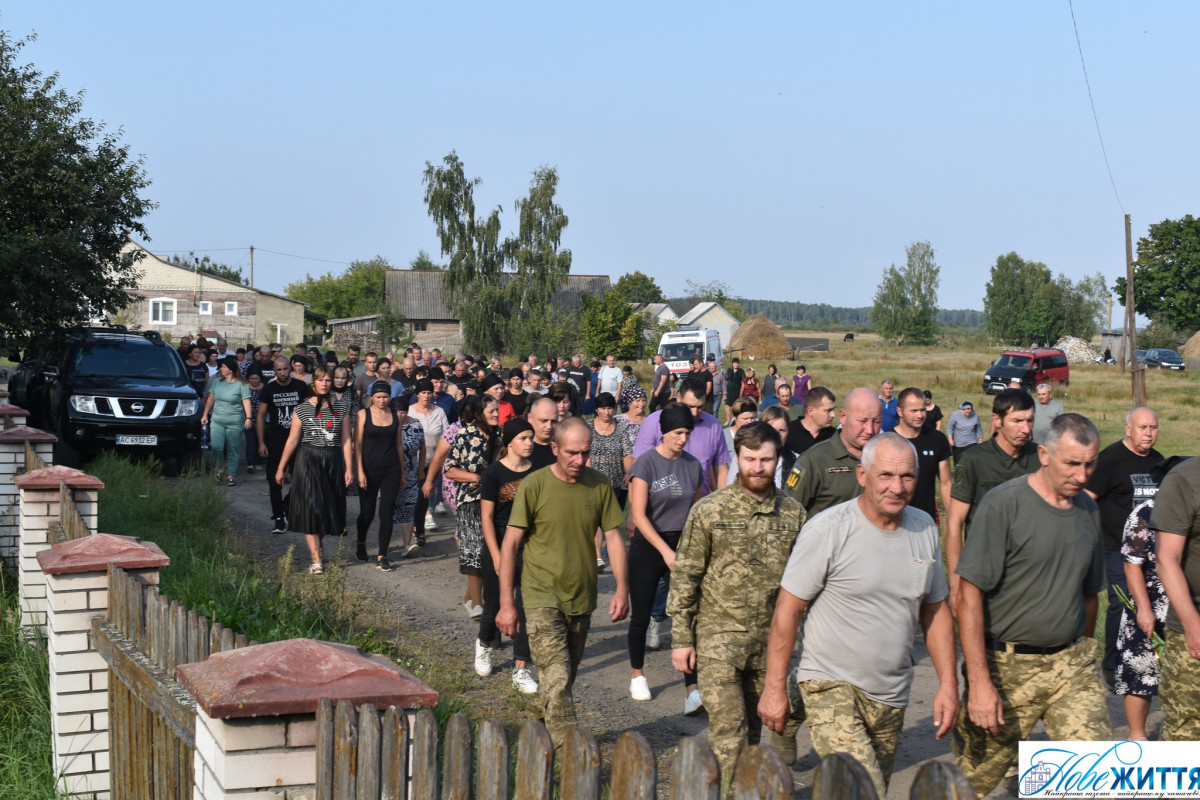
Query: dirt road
424, 597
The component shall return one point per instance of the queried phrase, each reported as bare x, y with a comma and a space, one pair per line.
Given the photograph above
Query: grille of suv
136, 407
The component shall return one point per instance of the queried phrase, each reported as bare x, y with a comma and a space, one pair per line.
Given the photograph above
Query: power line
306, 258
257, 249
1091, 100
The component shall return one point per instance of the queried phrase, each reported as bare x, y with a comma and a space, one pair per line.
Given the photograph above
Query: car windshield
1164, 354
122, 360
681, 351
1010, 361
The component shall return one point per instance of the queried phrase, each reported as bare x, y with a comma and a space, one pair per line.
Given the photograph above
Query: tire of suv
65, 453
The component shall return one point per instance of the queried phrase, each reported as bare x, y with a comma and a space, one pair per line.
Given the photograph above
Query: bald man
824, 475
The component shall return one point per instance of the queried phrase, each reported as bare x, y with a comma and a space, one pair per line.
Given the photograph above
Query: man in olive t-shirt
1176, 517
1031, 574
556, 513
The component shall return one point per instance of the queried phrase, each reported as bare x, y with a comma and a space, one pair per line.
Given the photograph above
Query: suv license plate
139, 440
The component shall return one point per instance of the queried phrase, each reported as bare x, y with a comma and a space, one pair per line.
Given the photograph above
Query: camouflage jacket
727, 570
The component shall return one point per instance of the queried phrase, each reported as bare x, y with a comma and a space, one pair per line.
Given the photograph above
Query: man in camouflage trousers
1176, 517
723, 589
864, 575
1031, 573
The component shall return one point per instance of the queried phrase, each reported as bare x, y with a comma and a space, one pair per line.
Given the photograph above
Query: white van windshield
681, 351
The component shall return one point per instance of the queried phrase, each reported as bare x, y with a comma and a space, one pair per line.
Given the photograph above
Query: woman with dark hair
635, 415
212, 361
413, 438
750, 385
379, 450
664, 485
768, 382
474, 448
611, 456
563, 395
498, 489
331, 359
300, 367
433, 422
197, 368
227, 412
323, 445
629, 387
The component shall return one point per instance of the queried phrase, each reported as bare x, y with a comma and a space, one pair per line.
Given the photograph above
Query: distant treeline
823, 315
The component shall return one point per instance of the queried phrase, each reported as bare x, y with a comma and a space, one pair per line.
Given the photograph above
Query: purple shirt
707, 444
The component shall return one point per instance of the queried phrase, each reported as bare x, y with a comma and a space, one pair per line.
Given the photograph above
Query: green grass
26, 765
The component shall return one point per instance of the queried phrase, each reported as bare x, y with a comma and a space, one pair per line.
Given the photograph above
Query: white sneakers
430, 525
483, 660
639, 688
523, 682
473, 611
693, 704
652, 635
439, 509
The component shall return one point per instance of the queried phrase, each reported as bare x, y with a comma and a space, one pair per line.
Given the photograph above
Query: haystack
1192, 348
758, 338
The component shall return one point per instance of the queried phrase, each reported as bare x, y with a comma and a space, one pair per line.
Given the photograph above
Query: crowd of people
794, 518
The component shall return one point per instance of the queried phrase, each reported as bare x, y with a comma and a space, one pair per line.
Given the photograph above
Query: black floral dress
1137, 669
473, 450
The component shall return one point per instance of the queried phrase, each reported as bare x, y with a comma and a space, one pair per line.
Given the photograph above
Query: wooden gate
151, 718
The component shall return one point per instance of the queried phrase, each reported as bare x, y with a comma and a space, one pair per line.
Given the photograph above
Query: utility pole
252, 266
1137, 370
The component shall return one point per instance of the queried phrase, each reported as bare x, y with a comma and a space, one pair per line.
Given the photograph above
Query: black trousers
275, 444
659, 400
645, 566
491, 607
384, 486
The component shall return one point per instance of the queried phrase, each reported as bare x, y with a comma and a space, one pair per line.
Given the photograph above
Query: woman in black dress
324, 447
473, 450
379, 448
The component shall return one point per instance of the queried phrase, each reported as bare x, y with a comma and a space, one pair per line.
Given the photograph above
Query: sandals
316, 569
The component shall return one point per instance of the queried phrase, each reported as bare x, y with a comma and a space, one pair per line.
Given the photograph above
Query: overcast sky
790, 149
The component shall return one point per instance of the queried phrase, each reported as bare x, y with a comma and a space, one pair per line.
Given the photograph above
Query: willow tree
472, 287
539, 267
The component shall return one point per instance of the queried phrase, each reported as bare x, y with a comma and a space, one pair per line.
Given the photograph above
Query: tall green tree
70, 196
472, 285
356, 292
1025, 303
906, 299
422, 262
1167, 274
639, 288
539, 266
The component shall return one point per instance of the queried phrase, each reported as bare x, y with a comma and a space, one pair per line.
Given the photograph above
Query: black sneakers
361, 552
280, 525
383, 564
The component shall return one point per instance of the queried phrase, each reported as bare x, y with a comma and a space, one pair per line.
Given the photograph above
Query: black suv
110, 387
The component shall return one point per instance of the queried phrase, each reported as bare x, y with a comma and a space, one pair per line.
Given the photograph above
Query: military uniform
1035, 565
723, 590
823, 476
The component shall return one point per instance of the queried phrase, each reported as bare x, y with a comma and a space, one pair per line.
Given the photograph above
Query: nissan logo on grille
137, 408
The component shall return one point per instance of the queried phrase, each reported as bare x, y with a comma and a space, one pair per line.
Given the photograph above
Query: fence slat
203, 639
491, 771
840, 777
634, 773
214, 638
325, 735
760, 774
535, 763
240, 641
457, 754
424, 757
345, 751
581, 765
695, 774
393, 784
368, 752
940, 780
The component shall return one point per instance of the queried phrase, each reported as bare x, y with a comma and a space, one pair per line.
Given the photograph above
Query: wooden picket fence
152, 718
367, 754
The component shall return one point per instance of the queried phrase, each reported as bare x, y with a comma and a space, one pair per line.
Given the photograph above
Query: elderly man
555, 516
1045, 410
825, 474
263, 365
1031, 574
1125, 477
610, 377
964, 429
891, 413
723, 589
1176, 517
718, 387
868, 572
1007, 455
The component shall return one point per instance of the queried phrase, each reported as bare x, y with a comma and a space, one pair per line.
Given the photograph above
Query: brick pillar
39, 499
18, 415
12, 463
256, 715
76, 581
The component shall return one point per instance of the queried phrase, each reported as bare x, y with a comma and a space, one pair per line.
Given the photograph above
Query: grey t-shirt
673, 484
866, 587
1043, 415
1034, 563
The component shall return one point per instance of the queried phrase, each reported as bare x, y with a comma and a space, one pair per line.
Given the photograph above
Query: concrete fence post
76, 581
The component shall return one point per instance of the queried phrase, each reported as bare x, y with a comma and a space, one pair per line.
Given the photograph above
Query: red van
1030, 367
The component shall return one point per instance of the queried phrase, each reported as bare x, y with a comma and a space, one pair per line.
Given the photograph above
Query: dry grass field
1099, 392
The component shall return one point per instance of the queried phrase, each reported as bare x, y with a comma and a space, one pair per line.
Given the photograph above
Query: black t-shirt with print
280, 402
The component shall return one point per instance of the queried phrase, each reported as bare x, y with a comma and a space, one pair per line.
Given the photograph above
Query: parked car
106, 388
1161, 358
1030, 367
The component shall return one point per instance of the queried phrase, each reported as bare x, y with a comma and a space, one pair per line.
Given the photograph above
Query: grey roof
417, 294
653, 309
